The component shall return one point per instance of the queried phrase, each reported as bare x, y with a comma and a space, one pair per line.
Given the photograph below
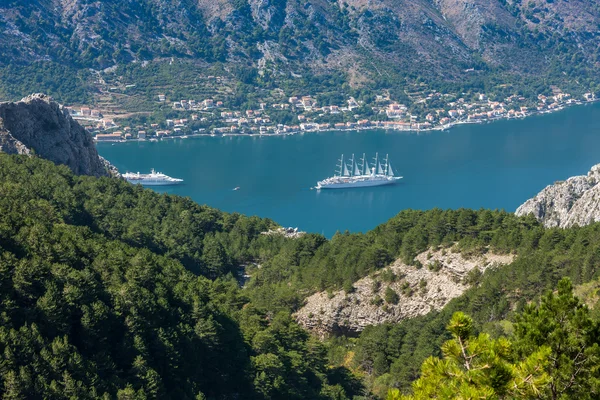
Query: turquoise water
497, 165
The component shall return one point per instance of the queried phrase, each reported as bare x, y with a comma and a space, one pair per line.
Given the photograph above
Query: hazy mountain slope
440, 38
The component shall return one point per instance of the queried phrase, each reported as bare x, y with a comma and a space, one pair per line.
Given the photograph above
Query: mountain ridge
37, 124
368, 42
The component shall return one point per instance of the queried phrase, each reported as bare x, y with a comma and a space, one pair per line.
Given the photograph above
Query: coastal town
208, 116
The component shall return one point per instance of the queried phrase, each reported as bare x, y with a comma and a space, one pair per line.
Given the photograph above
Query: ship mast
386, 164
341, 166
352, 165
376, 162
364, 165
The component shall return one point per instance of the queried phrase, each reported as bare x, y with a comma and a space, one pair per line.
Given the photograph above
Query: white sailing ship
152, 179
361, 174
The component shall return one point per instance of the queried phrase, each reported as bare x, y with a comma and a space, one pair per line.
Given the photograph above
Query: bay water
495, 165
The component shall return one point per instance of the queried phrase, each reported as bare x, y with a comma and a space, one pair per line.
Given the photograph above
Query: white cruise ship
353, 174
152, 179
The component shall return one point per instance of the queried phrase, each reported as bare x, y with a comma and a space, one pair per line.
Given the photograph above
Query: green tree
562, 323
391, 296
478, 368
214, 257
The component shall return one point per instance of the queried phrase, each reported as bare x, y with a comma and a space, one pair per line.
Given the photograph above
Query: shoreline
441, 128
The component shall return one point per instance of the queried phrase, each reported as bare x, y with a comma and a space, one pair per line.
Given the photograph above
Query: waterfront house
109, 137
309, 127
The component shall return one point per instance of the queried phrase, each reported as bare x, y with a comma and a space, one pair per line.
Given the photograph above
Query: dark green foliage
95, 299
65, 83
391, 296
545, 256
109, 288
406, 289
479, 367
562, 323
435, 266
312, 263
388, 276
555, 343
377, 300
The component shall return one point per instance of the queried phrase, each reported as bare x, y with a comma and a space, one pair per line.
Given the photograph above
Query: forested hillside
95, 300
109, 289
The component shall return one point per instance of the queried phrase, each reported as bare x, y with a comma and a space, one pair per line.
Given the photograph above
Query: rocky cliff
443, 275
575, 201
38, 124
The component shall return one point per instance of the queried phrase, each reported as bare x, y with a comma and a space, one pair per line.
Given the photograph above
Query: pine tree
478, 368
563, 324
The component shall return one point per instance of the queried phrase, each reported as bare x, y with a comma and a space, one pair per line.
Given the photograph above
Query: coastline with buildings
210, 118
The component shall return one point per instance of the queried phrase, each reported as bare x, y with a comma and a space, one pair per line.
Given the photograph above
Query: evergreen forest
109, 290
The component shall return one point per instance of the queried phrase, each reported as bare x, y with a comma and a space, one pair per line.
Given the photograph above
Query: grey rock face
37, 124
420, 291
575, 201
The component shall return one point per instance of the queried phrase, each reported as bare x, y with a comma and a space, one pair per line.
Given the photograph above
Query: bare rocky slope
575, 201
445, 275
37, 124
360, 37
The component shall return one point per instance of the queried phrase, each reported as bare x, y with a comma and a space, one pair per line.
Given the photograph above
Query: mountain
363, 43
37, 124
575, 201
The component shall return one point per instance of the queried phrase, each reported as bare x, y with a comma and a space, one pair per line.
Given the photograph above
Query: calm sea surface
497, 165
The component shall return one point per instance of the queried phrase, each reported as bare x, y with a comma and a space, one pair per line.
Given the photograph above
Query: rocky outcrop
38, 125
575, 201
443, 276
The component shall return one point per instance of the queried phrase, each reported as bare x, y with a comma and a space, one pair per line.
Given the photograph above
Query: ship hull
358, 184
152, 183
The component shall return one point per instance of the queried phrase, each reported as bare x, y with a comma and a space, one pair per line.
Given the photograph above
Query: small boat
236, 188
